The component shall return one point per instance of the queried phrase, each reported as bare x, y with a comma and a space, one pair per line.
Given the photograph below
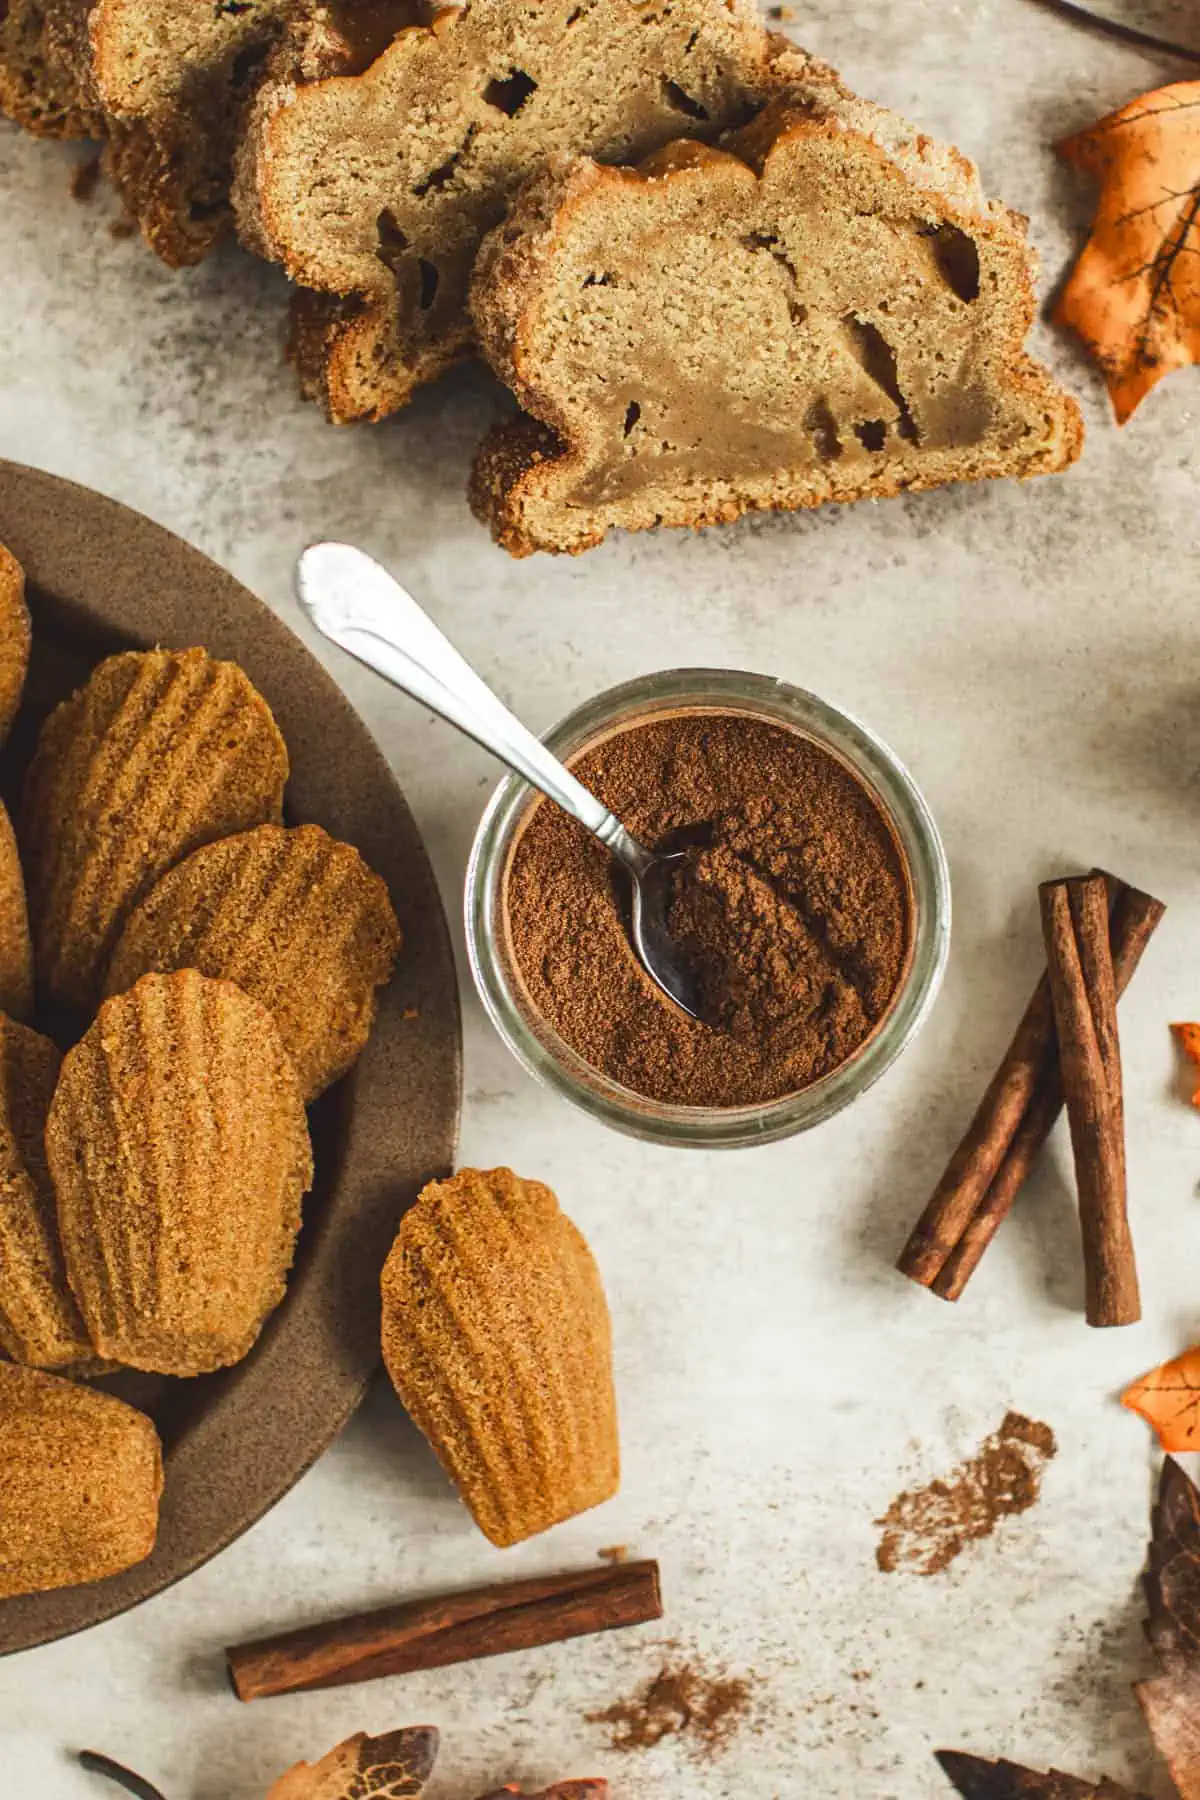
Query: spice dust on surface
926, 1528
790, 908
687, 1699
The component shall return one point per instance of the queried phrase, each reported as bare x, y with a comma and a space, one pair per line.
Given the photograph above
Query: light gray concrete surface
1032, 653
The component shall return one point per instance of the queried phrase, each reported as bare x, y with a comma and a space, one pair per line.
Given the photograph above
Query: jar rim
552, 1061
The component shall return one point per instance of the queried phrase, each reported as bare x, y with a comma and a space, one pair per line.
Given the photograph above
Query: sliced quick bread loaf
174, 78
375, 189
825, 308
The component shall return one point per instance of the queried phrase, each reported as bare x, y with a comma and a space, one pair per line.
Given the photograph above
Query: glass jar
540, 1049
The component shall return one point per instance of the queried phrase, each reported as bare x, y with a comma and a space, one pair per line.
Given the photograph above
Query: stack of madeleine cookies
207, 971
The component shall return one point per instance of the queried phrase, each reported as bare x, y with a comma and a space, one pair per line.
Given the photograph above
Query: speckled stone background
1032, 653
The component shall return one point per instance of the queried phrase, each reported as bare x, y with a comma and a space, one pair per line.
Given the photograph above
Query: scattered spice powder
791, 909
926, 1528
685, 1699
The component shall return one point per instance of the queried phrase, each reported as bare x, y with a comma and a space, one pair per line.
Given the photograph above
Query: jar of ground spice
812, 907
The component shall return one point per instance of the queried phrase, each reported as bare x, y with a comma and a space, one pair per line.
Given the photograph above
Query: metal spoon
357, 604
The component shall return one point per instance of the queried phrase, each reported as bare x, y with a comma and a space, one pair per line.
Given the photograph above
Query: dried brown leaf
395, 1766
978, 1779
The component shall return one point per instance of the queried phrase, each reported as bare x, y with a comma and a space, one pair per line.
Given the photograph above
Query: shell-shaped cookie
39, 1321
179, 1153
395, 1766
161, 751
15, 638
497, 1338
80, 1479
295, 918
16, 951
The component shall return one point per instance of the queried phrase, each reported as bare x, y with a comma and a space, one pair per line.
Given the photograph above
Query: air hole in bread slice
509, 93
444, 173
871, 433
875, 356
633, 413
429, 284
682, 101
594, 280
957, 258
392, 241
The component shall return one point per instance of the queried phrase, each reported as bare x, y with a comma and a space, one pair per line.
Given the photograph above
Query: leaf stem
115, 1771
1127, 34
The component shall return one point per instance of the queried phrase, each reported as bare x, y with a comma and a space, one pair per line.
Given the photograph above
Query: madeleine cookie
295, 918
15, 637
160, 752
39, 1321
497, 1339
179, 1153
80, 1479
16, 951
395, 1766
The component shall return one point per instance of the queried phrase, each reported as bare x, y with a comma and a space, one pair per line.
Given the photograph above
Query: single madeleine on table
159, 752
296, 918
497, 1338
80, 1479
179, 1152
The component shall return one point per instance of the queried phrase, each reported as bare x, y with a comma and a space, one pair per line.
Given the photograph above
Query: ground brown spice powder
792, 908
682, 1700
927, 1528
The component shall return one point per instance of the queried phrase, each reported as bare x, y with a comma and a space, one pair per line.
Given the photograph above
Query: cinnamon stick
1083, 989
1013, 1121
451, 1628
1132, 923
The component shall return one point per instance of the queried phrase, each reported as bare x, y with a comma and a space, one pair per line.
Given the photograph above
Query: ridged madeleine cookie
80, 1479
395, 1766
497, 1338
15, 638
295, 918
179, 1152
39, 1321
161, 751
16, 950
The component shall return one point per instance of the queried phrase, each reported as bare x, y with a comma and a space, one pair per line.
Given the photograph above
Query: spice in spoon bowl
811, 907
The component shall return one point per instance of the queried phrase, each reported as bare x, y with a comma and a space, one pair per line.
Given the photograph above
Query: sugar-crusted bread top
825, 307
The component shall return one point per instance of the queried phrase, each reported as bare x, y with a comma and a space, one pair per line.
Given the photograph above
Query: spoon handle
353, 601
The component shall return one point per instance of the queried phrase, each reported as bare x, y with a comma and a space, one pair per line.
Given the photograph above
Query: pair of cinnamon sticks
1066, 1047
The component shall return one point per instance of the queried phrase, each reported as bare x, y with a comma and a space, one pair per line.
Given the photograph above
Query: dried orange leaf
1134, 294
1169, 1398
395, 1766
1188, 1037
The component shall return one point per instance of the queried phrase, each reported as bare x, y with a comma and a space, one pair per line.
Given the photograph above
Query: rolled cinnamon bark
1083, 989
452, 1628
1132, 923
1013, 1120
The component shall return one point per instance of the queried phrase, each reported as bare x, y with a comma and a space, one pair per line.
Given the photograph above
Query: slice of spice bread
173, 79
825, 308
375, 189
39, 84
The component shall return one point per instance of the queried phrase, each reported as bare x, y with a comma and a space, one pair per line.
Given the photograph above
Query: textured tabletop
1032, 655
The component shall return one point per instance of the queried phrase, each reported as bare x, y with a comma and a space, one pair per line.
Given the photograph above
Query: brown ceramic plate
103, 579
